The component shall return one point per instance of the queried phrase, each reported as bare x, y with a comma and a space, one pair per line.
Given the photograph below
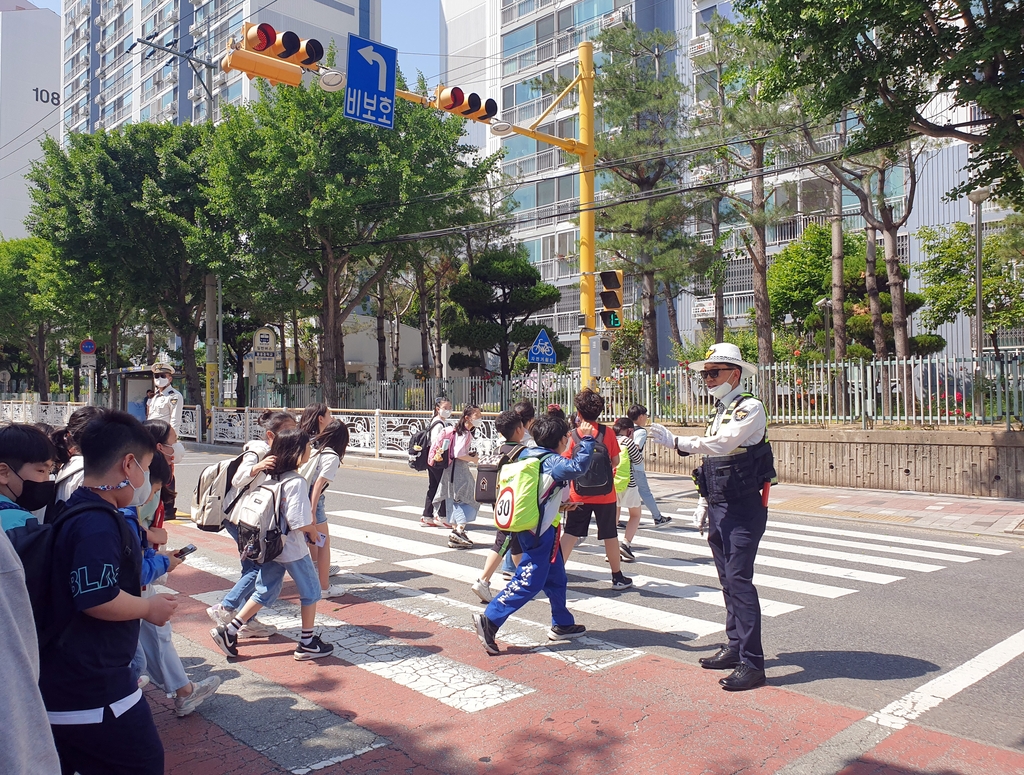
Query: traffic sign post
88, 347
541, 351
370, 89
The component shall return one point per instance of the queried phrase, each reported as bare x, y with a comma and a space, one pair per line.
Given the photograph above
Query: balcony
517, 10
700, 45
520, 114
543, 161
77, 14
566, 42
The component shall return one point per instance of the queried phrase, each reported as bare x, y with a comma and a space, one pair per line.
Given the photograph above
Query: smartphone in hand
185, 551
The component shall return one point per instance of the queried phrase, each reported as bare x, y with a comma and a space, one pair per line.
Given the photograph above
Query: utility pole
212, 375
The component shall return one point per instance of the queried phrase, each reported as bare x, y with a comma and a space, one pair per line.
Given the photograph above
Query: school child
638, 414
629, 497
542, 566
67, 440
321, 469
251, 472
26, 459
458, 484
290, 450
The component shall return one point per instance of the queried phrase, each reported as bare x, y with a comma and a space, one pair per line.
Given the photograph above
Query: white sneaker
483, 590
335, 590
256, 629
200, 691
220, 614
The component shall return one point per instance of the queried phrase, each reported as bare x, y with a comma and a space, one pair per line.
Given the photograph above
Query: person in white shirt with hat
733, 481
167, 403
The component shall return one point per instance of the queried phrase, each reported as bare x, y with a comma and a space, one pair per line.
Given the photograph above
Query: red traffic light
261, 37
472, 106
451, 99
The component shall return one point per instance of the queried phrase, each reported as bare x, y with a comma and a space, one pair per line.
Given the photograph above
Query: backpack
440, 452
419, 446
35, 544
308, 469
487, 474
209, 510
523, 491
261, 528
599, 479
622, 471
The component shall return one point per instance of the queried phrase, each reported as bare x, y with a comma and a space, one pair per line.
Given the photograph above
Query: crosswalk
676, 590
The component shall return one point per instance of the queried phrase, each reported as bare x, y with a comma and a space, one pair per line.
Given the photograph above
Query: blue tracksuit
542, 567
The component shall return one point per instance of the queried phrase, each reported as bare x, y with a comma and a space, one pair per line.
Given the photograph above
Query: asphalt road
858, 620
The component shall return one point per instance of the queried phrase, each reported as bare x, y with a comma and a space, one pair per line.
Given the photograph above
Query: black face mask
36, 495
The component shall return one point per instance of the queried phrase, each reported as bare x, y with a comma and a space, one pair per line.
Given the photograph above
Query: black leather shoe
742, 678
724, 659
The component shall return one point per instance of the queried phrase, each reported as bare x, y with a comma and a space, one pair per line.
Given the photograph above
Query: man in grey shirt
26, 744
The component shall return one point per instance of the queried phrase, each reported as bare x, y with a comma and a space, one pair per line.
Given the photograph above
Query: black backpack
35, 544
488, 470
419, 447
599, 478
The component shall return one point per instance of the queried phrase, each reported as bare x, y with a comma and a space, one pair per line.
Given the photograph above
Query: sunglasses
713, 373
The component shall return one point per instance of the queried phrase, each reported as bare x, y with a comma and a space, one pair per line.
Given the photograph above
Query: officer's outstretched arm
746, 429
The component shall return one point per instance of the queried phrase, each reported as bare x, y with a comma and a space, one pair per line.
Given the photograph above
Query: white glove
700, 515
660, 435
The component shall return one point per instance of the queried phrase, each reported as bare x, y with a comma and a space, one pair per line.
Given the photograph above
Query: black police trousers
734, 532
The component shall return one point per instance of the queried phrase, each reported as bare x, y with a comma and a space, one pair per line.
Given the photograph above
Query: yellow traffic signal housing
279, 57
472, 106
611, 298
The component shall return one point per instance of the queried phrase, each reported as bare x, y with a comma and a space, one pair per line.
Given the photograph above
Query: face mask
721, 391
142, 492
444, 413
162, 382
179, 452
148, 510
35, 495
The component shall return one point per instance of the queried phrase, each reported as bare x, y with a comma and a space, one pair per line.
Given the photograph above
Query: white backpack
261, 526
210, 507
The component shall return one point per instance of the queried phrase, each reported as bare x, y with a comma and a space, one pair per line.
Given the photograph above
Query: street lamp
825, 305
977, 197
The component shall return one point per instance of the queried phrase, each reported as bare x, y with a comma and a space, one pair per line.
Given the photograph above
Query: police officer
167, 403
737, 463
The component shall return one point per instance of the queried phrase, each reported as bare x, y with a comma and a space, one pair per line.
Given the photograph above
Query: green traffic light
611, 319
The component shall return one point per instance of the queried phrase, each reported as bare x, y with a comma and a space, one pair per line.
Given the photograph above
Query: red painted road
648, 715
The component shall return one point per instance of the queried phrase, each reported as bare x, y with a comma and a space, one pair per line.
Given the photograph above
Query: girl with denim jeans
290, 450
331, 444
458, 483
251, 472
638, 414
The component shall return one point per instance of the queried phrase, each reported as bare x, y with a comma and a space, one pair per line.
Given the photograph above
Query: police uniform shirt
166, 405
745, 429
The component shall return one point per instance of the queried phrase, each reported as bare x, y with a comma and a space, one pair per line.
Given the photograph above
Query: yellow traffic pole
588, 156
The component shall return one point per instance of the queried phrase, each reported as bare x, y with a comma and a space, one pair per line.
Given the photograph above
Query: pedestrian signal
472, 106
611, 298
279, 57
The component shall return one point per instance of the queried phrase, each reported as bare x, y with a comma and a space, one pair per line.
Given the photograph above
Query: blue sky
411, 26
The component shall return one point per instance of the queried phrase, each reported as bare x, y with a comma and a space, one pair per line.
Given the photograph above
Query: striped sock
235, 625
307, 636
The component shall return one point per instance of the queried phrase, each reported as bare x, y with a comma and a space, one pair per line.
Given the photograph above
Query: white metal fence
927, 391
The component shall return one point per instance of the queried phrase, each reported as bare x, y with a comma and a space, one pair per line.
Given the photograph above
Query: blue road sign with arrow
542, 351
370, 89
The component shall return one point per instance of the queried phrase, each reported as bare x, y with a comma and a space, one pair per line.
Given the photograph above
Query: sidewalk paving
981, 516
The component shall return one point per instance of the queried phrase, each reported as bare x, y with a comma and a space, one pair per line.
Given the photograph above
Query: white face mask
161, 382
142, 492
444, 413
721, 391
179, 452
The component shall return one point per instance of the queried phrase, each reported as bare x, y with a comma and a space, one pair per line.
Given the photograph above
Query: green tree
640, 99
29, 279
948, 273
734, 102
127, 214
628, 345
500, 290
899, 59
308, 190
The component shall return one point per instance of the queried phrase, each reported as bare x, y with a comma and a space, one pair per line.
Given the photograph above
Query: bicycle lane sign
542, 351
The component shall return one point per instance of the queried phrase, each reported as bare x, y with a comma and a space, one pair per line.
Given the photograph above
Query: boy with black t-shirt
595, 491
101, 725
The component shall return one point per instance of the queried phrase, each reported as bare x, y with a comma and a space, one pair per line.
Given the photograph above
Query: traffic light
473, 106
280, 57
611, 298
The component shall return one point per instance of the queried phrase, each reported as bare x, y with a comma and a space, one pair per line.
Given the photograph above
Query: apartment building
109, 79
502, 47
30, 100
